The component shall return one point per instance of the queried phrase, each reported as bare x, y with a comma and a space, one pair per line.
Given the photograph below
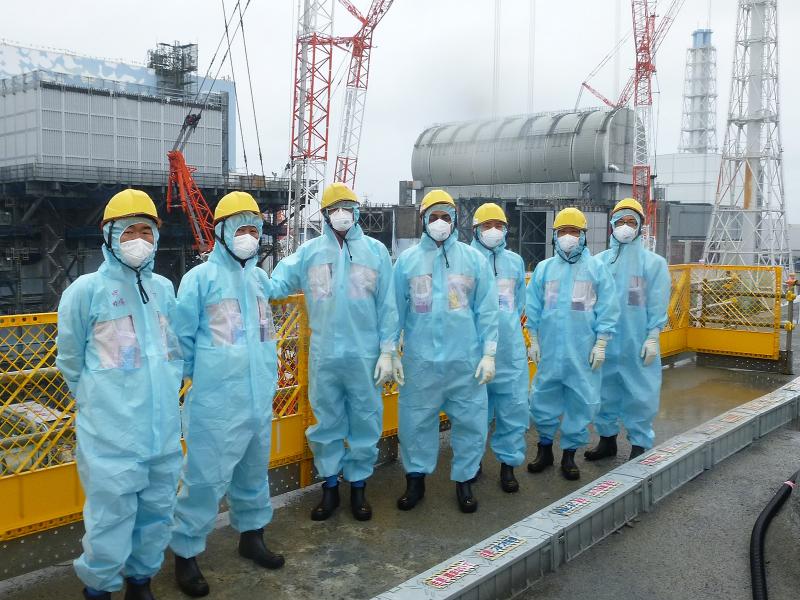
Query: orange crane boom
183, 192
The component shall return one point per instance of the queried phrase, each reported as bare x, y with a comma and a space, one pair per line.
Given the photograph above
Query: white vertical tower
699, 122
748, 225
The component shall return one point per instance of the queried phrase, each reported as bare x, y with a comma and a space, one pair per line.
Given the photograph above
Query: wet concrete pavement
696, 543
344, 559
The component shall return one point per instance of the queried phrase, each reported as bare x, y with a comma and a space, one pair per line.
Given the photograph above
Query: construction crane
183, 192
313, 77
356, 92
647, 39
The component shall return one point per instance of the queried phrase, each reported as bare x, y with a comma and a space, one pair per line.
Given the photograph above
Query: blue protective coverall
508, 391
228, 338
449, 318
353, 318
568, 307
630, 390
121, 361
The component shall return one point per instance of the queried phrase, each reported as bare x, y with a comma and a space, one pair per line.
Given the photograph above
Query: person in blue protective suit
120, 358
571, 311
508, 392
631, 386
447, 302
346, 278
226, 331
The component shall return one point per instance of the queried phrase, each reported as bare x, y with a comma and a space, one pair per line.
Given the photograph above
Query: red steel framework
643, 31
313, 70
357, 82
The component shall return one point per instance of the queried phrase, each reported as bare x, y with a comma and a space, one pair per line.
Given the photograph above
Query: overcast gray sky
432, 63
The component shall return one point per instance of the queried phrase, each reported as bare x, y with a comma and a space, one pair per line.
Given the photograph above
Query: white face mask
244, 246
439, 230
493, 237
568, 243
341, 220
136, 252
624, 233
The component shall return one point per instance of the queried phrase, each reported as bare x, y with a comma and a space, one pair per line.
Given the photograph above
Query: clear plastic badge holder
421, 288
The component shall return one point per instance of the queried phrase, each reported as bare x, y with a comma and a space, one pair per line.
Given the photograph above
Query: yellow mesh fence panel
288, 321
36, 410
735, 298
678, 307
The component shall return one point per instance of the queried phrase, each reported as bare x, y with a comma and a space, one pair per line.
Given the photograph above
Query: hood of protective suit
116, 228
576, 252
614, 242
225, 231
477, 242
353, 233
453, 237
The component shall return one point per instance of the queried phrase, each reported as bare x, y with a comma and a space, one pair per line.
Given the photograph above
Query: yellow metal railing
733, 310
722, 310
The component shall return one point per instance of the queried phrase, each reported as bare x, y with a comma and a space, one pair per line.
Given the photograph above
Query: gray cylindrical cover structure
539, 148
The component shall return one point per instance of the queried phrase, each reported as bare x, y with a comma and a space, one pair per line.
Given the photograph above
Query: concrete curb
513, 559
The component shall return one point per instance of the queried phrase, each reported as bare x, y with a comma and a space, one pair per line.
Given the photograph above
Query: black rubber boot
607, 446
138, 591
544, 459
478, 474
415, 491
189, 577
103, 596
636, 451
508, 482
568, 467
361, 509
251, 545
328, 504
466, 501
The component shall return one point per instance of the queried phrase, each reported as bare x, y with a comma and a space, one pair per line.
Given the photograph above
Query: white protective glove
598, 354
649, 350
534, 352
485, 371
397, 369
383, 369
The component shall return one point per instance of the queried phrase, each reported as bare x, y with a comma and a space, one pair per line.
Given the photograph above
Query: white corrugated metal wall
79, 128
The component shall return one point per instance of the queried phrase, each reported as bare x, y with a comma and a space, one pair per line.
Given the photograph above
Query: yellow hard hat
631, 204
336, 192
234, 203
436, 197
488, 212
130, 203
570, 217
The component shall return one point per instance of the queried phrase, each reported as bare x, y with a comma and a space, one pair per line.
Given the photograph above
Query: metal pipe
38, 373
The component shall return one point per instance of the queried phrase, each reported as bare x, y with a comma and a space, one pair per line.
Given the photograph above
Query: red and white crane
356, 92
647, 38
313, 78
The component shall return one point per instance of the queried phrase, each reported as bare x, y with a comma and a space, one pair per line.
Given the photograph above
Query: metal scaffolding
748, 225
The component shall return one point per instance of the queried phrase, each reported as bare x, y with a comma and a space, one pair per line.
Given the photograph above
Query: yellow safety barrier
731, 310
712, 309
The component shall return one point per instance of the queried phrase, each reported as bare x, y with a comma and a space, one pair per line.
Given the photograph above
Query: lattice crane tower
311, 106
748, 224
699, 122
